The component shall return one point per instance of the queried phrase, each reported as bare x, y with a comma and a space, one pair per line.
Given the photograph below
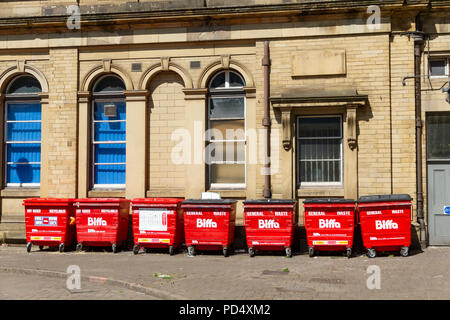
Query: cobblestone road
211, 276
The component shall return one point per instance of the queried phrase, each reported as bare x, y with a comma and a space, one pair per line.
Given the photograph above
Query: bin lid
385, 198
156, 201
101, 200
329, 200
41, 201
270, 201
209, 201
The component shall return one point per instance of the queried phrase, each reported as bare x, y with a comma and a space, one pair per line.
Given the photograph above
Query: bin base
387, 248
331, 248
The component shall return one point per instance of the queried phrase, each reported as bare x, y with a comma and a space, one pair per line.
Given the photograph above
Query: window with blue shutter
109, 134
23, 133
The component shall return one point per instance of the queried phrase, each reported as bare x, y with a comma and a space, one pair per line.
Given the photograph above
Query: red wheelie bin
157, 223
269, 225
209, 224
102, 222
385, 223
49, 222
330, 224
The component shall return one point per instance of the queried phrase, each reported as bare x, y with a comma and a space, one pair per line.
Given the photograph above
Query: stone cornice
357, 100
55, 17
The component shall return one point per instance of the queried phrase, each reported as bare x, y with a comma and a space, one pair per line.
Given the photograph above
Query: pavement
209, 275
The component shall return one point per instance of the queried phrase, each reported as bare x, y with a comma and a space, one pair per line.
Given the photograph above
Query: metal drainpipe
267, 192
418, 41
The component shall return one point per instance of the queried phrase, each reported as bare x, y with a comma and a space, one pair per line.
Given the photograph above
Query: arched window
108, 133
226, 138
22, 135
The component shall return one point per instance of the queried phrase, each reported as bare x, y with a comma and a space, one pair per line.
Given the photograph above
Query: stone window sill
321, 192
21, 192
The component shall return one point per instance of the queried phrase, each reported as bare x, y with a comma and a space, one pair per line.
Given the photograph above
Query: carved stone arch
224, 64
96, 72
161, 67
22, 68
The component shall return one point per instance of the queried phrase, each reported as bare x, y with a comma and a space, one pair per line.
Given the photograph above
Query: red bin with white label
49, 222
102, 222
209, 224
157, 223
385, 223
330, 224
269, 225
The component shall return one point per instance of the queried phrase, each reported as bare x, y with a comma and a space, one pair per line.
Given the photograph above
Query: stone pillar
350, 146
84, 101
195, 125
137, 144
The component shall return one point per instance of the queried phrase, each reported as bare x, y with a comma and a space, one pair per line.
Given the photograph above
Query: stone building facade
336, 67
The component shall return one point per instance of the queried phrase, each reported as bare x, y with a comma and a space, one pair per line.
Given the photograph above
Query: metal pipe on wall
267, 192
418, 42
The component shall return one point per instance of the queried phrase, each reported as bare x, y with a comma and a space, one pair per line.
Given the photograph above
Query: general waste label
447, 210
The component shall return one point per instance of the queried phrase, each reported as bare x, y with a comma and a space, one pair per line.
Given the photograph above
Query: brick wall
166, 114
62, 123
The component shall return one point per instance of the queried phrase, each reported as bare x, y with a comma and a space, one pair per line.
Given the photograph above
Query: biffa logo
206, 223
268, 224
329, 224
96, 222
385, 225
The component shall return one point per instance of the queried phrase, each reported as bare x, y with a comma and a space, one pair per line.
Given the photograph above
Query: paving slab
207, 276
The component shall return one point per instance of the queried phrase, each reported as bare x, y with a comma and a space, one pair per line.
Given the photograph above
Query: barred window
319, 145
439, 67
438, 136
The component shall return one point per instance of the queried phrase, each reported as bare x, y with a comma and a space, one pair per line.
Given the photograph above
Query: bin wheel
61, 247
79, 246
371, 253
225, 252
311, 252
41, 248
28, 246
349, 252
191, 251
114, 248
288, 252
251, 252
171, 250
136, 249
404, 251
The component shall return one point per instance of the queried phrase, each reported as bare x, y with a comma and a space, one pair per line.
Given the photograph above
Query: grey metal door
438, 158
439, 204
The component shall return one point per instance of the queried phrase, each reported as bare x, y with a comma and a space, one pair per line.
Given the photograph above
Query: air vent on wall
110, 111
136, 67
195, 64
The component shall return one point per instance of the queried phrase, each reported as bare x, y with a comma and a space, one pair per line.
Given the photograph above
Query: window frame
226, 92
447, 67
25, 98
305, 185
112, 97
